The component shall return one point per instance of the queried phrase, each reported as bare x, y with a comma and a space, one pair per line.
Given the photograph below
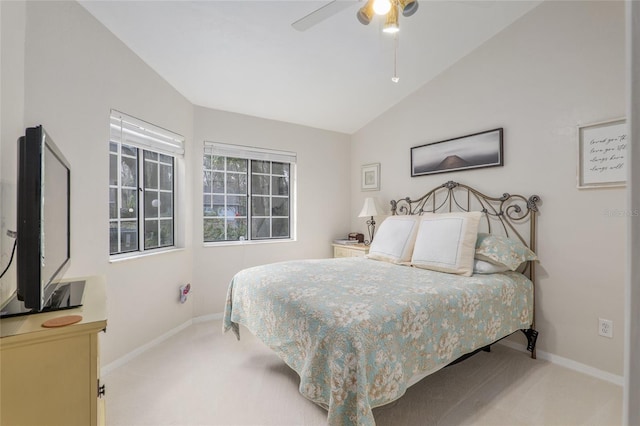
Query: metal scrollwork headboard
508, 213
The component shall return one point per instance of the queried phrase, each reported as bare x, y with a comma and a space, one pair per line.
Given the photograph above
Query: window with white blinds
248, 193
142, 187
135, 132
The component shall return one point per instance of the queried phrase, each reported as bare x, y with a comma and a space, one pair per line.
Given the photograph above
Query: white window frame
258, 154
144, 136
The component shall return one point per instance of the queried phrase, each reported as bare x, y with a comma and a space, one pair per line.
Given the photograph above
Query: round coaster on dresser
62, 321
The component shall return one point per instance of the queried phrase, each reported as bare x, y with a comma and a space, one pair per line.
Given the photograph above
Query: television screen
55, 235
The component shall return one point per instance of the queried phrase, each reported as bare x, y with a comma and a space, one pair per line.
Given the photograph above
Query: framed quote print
602, 154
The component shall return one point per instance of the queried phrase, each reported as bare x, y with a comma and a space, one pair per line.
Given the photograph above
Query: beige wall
561, 65
75, 72
12, 37
322, 198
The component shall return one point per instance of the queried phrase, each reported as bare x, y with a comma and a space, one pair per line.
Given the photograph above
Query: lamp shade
391, 24
370, 208
408, 7
365, 13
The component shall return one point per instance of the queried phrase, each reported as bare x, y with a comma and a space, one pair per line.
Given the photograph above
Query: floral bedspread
358, 330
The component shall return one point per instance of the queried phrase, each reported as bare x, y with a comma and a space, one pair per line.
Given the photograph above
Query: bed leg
532, 337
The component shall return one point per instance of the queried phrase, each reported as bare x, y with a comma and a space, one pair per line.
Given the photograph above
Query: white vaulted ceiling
244, 56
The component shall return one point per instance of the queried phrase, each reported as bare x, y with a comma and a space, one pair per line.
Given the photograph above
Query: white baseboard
210, 317
570, 364
134, 353
138, 351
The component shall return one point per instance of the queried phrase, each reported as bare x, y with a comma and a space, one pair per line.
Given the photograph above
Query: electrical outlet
605, 328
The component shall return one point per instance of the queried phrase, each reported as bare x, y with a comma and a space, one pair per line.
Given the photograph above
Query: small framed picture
602, 154
370, 176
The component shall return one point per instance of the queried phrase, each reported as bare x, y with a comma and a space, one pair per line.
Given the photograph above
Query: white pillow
394, 240
446, 242
484, 267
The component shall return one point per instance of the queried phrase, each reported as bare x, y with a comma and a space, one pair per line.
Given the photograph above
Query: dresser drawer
355, 250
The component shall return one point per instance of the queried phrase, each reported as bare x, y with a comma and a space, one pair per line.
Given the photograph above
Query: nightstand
350, 250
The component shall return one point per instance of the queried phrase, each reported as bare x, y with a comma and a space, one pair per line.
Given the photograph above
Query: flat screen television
43, 228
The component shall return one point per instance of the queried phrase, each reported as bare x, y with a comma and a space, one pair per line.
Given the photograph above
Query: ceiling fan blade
319, 15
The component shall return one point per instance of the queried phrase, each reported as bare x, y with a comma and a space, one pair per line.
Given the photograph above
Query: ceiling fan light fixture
381, 7
391, 25
409, 7
365, 13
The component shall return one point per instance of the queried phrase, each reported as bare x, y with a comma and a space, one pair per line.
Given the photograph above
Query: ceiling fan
365, 13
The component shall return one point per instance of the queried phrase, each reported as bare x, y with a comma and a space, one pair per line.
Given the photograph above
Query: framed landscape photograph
474, 151
370, 176
602, 154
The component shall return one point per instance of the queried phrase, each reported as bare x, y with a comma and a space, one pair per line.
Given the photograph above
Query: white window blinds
250, 153
133, 131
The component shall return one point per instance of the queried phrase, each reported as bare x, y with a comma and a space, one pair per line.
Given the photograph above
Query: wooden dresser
50, 376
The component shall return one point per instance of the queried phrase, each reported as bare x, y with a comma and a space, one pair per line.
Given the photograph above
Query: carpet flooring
201, 376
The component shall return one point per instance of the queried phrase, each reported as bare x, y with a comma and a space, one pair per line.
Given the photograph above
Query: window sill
137, 255
247, 242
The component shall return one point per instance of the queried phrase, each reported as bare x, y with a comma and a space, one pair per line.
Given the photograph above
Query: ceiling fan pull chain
395, 77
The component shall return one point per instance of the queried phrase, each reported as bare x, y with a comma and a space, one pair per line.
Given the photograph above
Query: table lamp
370, 209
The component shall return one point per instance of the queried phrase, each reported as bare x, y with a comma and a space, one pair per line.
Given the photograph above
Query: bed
360, 331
